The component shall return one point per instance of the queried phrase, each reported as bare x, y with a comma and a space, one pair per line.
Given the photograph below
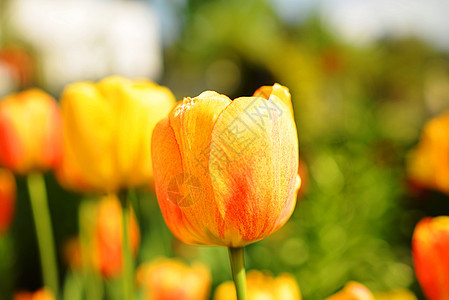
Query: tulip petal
430, 246
88, 120
147, 97
254, 166
278, 91
167, 164
11, 149
192, 123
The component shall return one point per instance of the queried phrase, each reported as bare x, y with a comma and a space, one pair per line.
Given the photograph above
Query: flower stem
127, 259
41, 214
236, 256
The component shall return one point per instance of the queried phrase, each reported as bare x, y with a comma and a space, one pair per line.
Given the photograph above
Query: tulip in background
430, 247
42, 294
98, 250
226, 172
107, 142
353, 291
19, 65
171, 279
428, 162
108, 236
400, 294
262, 285
30, 132
30, 144
107, 130
7, 199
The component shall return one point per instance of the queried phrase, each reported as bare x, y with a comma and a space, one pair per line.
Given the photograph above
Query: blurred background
364, 76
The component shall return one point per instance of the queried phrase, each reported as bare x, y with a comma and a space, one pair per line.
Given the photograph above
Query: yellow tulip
170, 279
428, 162
399, 294
262, 286
353, 291
107, 131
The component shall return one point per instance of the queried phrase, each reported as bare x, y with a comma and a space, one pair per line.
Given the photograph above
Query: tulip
72, 253
30, 132
226, 172
399, 294
428, 162
353, 291
430, 247
7, 199
108, 236
69, 174
42, 294
30, 143
170, 279
19, 63
107, 131
107, 141
262, 285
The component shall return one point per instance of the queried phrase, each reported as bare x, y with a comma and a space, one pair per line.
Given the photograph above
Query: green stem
41, 214
236, 256
127, 258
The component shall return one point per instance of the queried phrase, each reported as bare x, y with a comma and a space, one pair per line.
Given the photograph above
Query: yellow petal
89, 128
277, 90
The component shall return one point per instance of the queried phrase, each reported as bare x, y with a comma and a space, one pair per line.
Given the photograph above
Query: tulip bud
42, 294
226, 172
108, 236
262, 285
72, 253
7, 199
169, 279
430, 247
107, 132
428, 162
30, 132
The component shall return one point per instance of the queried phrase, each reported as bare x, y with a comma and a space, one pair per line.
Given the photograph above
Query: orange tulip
170, 279
226, 171
30, 132
7, 199
262, 285
72, 253
430, 246
107, 132
108, 236
42, 294
19, 63
428, 163
353, 291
